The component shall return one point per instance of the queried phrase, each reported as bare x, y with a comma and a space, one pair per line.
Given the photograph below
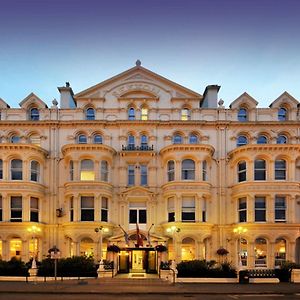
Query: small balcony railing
137, 148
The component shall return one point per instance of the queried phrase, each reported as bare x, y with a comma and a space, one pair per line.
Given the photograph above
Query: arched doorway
87, 247
188, 249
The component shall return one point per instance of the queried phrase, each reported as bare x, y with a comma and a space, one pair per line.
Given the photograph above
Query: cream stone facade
139, 161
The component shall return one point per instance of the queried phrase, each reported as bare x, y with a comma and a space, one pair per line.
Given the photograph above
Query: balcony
137, 148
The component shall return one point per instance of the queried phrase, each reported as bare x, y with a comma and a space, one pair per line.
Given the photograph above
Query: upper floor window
16, 169
34, 114
242, 140
262, 139
242, 171
144, 174
131, 113
104, 209
87, 208
97, 139
34, 171
185, 114
131, 142
177, 139
280, 209
90, 114
171, 209
260, 209
188, 209
144, 113
242, 115
1, 209
193, 139
131, 179
87, 170
35, 139
15, 139
71, 170
259, 169
171, 170
1, 169
71, 209
16, 208
281, 139
82, 139
188, 169
242, 209
144, 142
34, 209
280, 169
104, 170
204, 170
282, 114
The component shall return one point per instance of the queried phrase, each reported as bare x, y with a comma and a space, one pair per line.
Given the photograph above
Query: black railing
137, 148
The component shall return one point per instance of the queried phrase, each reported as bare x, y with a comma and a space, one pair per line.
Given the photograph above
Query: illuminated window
171, 170
35, 171
34, 114
260, 248
34, 209
188, 249
16, 208
90, 114
242, 171
87, 170
104, 209
16, 169
171, 209
87, 247
104, 170
188, 209
144, 114
282, 114
185, 114
15, 247
0, 250
244, 252
87, 208
280, 251
280, 169
188, 169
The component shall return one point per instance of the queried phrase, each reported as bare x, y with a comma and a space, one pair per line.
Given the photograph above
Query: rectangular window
260, 209
142, 216
280, 169
1, 217
16, 209
171, 209
144, 175
137, 213
131, 180
104, 209
34, 209
204, 210
188, 209
71, 209
1, 169
87, 208
204, 170
133, 216
242, 210
242, 171
280, 209
259, 169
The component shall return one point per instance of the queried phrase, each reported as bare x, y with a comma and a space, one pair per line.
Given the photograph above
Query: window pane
142, 216
97, 139
132, 216
262, 140
242, 115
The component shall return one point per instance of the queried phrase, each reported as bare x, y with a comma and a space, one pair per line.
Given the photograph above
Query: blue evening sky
251, 46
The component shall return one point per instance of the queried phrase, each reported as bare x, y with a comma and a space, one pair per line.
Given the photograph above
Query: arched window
280, 251
82, 139
262, 139
204, 170
71, 170
193, 139
15, 248
171, 170
242, 171
177, 139
87, 170
34, 171
185, 114
87, 246
281, 139
144, 113
15, 139
244, 252
131, 113
104, 170
144, 142
34, 114
188, 249
97, 139
242, 115
90, 114
16, 169
188, 169
280, 169
1, 169
260, 248
259, 169
282, 114
131, 142
242, 140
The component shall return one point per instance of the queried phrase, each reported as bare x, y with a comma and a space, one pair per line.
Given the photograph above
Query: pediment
3, 104
285, 99
32, 100
137, 191
244, 100
137, 79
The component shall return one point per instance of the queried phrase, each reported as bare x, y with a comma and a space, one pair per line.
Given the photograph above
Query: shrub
14, 267
203, 268
285, 270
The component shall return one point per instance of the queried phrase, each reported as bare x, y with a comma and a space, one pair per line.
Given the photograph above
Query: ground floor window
87, 247
260, 248
280, 251
188, 249
15, 248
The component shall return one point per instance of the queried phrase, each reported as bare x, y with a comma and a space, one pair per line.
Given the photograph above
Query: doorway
138, 261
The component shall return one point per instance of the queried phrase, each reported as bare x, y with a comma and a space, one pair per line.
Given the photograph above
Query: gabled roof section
244, 100
32, 100
285, 99
137, 191
138, 73
3, 104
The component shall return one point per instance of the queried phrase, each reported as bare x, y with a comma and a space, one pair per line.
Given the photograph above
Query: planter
207, 280
295, 277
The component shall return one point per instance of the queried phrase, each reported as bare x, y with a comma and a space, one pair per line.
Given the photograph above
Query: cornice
23, 147
69, 148
187, 148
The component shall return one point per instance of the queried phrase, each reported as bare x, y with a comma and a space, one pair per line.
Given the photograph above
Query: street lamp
34, 230
173, 230
100, 230
240, 230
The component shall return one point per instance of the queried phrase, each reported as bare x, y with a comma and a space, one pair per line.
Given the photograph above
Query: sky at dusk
251, 46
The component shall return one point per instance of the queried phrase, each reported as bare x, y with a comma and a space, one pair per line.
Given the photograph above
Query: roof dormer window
90, 114
34, 114
282, 114
242, 114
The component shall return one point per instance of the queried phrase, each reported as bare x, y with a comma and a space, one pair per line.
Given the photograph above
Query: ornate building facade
139, 161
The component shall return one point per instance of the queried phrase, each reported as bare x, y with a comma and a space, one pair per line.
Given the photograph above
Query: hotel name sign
123, 89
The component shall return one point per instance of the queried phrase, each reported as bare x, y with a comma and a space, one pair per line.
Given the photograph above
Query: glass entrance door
138, 260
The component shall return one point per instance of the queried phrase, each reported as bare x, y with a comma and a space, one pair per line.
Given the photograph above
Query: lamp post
100, 230
55, 254
240, 230
173, 230
34, 230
